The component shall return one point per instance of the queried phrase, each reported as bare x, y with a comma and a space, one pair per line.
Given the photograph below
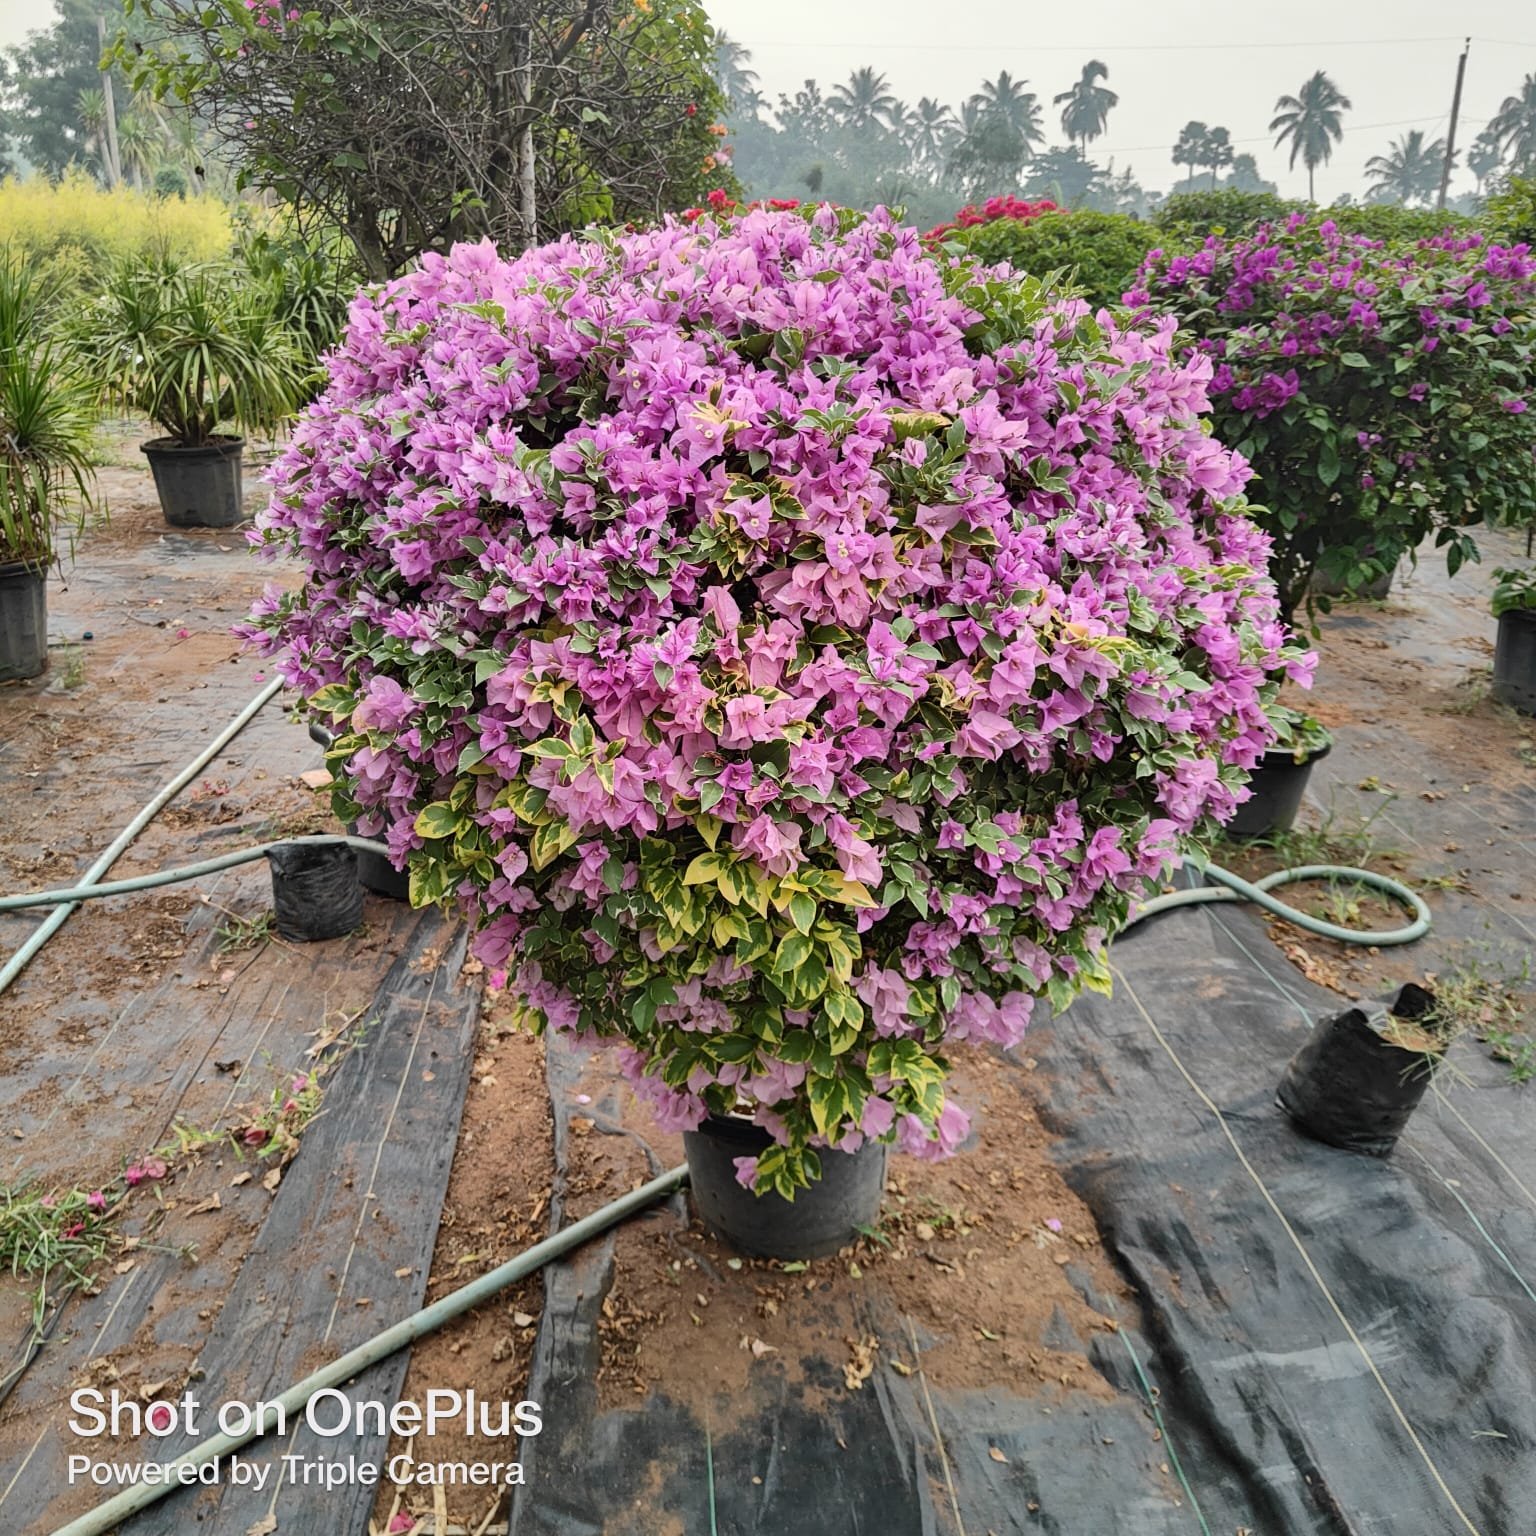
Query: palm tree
1409, 171
1310, 120
731, 73
901, 120
140, 144
1087, 104
1216, 152
1485, 157
91, 105
866, 100
1514, 127
1007, 99
1190, 150
932, 129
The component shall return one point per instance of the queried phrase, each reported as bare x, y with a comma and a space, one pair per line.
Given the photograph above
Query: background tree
1190, 149
1120, 192
140, 146
932, 133
1514, 128
1409, 172
738, 84
864, 102
1244, 176
1000, 127
1216, 152
1065, 175
1087, 105
91, 104
1005, 98
1484, 157
409, 124
1310, 122
49, 75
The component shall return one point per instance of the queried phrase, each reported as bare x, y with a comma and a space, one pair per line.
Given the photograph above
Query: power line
1269, 138
1114, 47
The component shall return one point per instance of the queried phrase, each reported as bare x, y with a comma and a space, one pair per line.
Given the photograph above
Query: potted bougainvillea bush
1380, 391
792, 650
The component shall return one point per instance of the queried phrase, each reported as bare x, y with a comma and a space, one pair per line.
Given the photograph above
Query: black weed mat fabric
799, 1453
1320, 1343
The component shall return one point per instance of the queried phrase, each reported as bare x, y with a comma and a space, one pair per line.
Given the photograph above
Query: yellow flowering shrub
79, 221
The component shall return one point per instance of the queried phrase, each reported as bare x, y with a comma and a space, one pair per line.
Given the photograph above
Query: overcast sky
1170, 62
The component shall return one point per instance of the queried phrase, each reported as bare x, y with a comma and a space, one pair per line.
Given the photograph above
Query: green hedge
1099, 252
1188, 217
1511, 215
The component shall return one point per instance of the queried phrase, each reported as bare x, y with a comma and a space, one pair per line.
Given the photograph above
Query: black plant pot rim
221, 446
1283, 757
36, 567
736, 1127
1519, 615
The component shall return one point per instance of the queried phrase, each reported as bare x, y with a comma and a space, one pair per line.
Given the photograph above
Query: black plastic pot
199, 484
1514, 660
374, 871
378, 875
1279, 783
23, 620
315, 890
1352, 1085
817, 1222
1376, 589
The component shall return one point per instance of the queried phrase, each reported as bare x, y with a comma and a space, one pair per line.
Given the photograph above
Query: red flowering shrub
1006, 207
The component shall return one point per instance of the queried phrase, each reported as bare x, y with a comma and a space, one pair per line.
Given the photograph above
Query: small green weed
1487, 1001
246, 932
73, 675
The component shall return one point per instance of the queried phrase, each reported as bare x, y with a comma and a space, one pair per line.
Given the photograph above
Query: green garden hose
1232, 887
182, 872
168, 792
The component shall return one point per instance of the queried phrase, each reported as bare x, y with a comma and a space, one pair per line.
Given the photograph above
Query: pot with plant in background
1362, 580
1278, 783
196, 349
46, 425
1514, 652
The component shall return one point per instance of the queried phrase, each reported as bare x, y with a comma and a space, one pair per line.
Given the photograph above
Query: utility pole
1450, 138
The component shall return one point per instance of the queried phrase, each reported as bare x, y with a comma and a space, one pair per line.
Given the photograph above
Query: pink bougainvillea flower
96, 1200
791, 645
145, 1170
